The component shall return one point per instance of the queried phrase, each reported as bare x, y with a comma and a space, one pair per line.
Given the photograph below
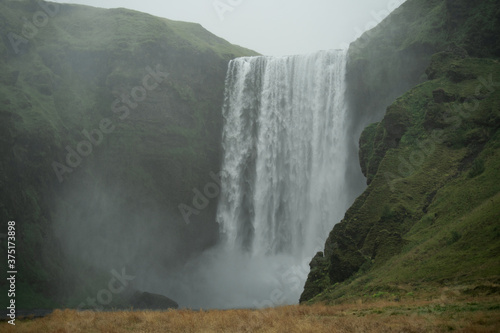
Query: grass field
473, 314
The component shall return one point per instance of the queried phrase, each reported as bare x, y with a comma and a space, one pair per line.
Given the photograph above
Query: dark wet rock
441, 96
150, 301
317, 280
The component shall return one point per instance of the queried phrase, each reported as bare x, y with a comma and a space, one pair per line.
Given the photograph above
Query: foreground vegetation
441, 314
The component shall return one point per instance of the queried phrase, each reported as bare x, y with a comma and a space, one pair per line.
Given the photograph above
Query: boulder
149, 301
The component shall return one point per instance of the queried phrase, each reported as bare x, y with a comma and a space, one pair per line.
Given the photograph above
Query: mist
293, 164
104, 222
98, 233
224, 279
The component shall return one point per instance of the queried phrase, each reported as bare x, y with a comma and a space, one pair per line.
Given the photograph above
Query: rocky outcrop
413, 154
150, 301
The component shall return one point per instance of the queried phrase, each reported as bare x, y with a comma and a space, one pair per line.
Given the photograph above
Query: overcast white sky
270, 27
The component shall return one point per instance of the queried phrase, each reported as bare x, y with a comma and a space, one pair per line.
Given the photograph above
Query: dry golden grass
481, 315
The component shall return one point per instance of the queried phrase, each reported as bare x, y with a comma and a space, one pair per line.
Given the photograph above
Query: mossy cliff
99, 101
430, 215
392, 57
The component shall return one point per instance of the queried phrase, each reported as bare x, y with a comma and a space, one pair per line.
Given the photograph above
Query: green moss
427, 217
477, 168
64, 81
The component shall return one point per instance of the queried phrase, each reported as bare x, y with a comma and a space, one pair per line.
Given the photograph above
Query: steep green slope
392, 57
397, 51
138, 98
430, 215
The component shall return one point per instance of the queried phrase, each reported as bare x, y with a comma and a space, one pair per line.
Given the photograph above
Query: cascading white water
284, 153
283, 182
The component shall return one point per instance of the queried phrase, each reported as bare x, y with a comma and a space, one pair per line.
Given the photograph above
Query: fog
99, 233
100, 230
224, 279
114, 227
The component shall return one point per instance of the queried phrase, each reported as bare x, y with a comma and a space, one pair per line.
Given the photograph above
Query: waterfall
283, 171
282, 181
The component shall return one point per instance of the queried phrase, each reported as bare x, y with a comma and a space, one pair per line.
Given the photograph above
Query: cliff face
429, 216
106, 115
388, 60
